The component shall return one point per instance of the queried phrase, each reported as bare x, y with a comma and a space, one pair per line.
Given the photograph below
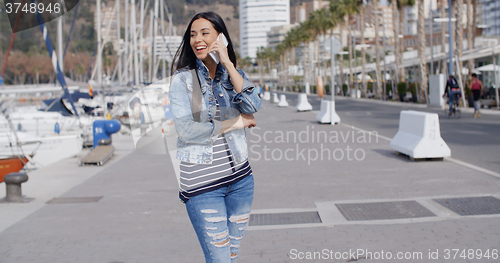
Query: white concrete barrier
283, 102
326, 112
355, 93
419, 136
437, 83
275, 98
267, 95
303, 104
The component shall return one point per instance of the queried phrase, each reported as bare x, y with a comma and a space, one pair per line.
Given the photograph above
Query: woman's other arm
188, 130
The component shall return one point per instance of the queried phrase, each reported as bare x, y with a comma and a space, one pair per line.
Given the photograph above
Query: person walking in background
477, 88
216, 182
452, 90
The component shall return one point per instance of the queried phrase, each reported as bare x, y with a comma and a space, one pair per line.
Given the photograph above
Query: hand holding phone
214, 54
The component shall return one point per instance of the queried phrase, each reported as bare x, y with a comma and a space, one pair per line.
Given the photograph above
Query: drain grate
383, 210
74, 200
284, 218
466, 206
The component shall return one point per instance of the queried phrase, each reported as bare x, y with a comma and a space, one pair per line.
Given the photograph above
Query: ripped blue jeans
220, 217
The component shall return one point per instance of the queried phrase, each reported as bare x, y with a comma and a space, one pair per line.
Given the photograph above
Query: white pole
99, 43
155, 33
332, 80
125, 61
164, 45
141, 68
150, 60
120, 55
497, 78
134, 39
60, 42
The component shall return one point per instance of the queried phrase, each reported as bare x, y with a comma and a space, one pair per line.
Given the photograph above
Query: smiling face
203, 34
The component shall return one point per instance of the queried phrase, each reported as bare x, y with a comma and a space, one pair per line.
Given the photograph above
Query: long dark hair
185, 55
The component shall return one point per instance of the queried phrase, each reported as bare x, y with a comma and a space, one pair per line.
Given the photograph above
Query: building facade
278, 34
257, 17
491, 17
300, 13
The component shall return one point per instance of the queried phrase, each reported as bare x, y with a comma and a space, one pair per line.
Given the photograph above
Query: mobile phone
214, 54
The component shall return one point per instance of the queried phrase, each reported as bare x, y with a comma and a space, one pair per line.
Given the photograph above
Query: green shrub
413, 88
401, 88
369, 86
388, 87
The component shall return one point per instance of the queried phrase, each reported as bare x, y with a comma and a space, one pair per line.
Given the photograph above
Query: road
471, 140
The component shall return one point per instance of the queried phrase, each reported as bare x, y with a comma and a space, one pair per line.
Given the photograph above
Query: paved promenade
297, 169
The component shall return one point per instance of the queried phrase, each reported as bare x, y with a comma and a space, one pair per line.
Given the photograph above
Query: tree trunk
460, 28
474, 18
351, 75
421, 50
397, 51
378, 91
363, 51
401, 46
470, 33
341, 57
261, 78
444, 67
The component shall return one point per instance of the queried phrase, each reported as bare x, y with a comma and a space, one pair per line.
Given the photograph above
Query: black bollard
13, 183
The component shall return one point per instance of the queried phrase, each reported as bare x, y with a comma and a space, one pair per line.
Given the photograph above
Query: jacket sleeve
247, 101
187, 129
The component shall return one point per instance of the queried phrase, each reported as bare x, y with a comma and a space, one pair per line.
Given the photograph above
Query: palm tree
470, 33
378, 90
460, 29
347, 9
291, 42
397, 42
319, 23
363, 52
402, 5
338, 10
260, 63
421, 48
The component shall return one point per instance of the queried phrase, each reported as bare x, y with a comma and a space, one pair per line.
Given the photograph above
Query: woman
477, 90
216, 181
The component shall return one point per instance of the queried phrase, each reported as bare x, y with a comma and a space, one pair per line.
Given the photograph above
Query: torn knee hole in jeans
208, 211
234, 255
219, 235
235, 238
223, 243
239, 219
215, 219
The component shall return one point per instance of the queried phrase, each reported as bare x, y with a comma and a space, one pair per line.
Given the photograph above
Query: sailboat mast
60, 42
134, 39
164, 47
119, 48
99, 40
141, 68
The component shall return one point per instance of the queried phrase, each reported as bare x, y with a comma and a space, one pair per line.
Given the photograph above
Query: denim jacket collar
203, 70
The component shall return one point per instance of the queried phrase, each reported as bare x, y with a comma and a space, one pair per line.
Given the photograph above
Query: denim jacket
195, 139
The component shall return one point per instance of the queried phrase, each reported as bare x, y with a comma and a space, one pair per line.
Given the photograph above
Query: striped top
196, 179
